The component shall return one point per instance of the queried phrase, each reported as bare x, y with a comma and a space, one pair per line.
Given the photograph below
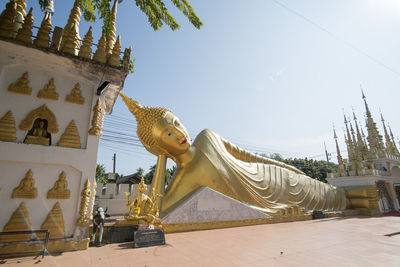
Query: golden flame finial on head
146, 118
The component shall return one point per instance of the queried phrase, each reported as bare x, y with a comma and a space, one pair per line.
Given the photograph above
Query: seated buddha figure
38, 134
210, 161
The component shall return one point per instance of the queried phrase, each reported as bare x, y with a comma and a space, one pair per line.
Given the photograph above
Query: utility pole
326, 153
114, 161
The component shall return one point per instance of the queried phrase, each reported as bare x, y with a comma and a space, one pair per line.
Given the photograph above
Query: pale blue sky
269, 75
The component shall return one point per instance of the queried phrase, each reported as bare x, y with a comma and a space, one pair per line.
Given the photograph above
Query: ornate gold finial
7, 128
48, 91
69, 45
20, 15
110, 38
54, 222
115, 60
21, 86
100, 54
43, 35
360, 141
389, 147
26, 188
43, 113
25, 32
71, 29
7, 20
127, 57
97, 119
60, 190
85, 199
19, 221
76, 95
342, 171
86, 48
146, 117
70, 137
394, 142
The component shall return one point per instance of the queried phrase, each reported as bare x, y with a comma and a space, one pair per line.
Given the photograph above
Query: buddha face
171, 135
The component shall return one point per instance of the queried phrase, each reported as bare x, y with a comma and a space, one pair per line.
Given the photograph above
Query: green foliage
131, 66
155, 11
101, 176
316, 169
148, 178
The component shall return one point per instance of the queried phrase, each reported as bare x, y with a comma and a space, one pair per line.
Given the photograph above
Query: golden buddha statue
141, 208
265, 184
38, 135
60, 190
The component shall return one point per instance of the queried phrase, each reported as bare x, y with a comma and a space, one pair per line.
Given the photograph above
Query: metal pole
114, 161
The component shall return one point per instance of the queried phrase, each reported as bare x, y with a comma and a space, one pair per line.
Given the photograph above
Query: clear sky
268, 75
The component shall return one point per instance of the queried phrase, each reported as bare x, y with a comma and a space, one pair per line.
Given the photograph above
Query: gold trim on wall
19, 221
54, 222
41, 112
70, 137
97, 119
83, 210
7, 128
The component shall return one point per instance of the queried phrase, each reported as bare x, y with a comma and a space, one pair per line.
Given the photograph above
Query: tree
101, 176
148, 178
316, 169
155, 11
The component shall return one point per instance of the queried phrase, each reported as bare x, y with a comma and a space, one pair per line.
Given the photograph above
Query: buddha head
159, 130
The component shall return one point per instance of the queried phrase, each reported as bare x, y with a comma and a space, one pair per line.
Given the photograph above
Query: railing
38, 240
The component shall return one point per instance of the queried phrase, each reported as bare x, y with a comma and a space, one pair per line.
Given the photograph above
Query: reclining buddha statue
210, 161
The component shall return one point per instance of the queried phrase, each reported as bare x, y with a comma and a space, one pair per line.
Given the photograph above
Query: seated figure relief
211, 161
38, 135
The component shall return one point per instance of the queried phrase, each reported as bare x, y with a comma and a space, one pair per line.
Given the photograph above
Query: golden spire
394, 142
98, 114
71, 29
145, 117
339, 156
115, 60
389, 147
86, 48
111, 35
360, 142
70, 45
25, 33
374, 138
43, 35
7, 20
100, 54
20, 15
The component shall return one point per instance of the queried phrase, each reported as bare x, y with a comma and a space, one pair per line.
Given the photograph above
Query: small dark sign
148, 238
118, 234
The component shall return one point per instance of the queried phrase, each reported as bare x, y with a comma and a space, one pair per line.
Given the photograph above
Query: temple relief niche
48, 91
21, 86
84, 207
75, 96
40, 124
70, 137
7, 128
59, 190
26, 188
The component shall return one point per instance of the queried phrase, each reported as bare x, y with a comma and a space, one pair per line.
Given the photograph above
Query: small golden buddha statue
141, 208
26, 188
59, 190
48, 91
211, 161
38, 135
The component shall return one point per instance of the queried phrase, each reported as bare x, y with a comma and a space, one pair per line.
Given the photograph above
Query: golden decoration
43, 35
26, 188
70, 137
86, 48
21, 86
43, 113
76, 95
54, 246
71, 29
19, 16
54, 222
85, 199
273, 187
48, 91
19, 221
115, 60
25, 32
100, 54
59, 190
69, 45
7, 20
110, 38
7, 128
141, 208
98, 116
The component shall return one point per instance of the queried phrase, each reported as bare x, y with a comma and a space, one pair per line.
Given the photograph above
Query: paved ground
329, 242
